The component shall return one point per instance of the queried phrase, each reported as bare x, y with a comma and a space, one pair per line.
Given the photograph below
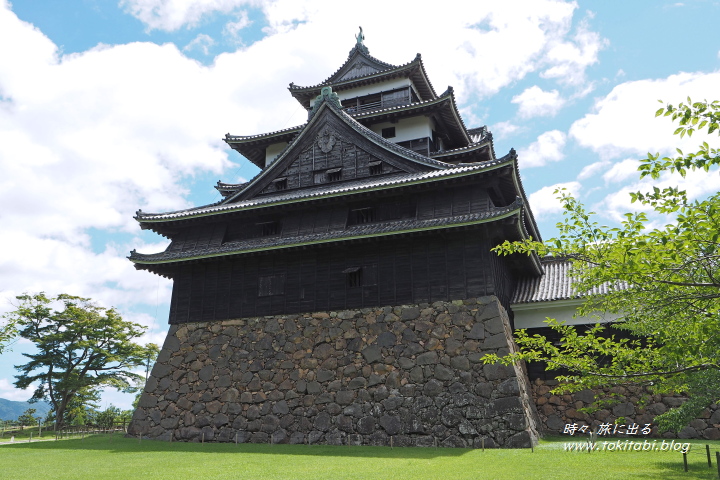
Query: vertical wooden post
707, 450
203, 437
391, 441
685, 460
717, 462
30, 439
236, 437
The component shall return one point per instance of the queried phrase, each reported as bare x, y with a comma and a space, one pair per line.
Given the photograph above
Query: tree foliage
27, 418
81, 348
664, 282
8, 331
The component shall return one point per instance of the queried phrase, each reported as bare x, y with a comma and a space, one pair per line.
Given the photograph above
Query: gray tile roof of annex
555, 284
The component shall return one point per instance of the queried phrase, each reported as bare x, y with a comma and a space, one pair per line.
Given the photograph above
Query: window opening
353, 277
376, 168
363, 215
268, 229
280, 183
271, 285
388, 132
334, 174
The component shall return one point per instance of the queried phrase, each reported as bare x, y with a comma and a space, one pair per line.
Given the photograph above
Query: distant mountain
10, 410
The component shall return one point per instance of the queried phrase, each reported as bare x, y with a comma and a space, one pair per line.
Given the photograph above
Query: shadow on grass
118, 444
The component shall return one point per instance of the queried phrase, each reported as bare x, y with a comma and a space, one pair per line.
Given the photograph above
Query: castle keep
347, 293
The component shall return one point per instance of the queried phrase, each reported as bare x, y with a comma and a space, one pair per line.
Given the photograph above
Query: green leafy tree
81, 348
664, 283
82, 408
107, 418
27, 418
8, 331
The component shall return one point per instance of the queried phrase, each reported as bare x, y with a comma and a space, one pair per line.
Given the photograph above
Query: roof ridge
229, 137
325, 82
359, 50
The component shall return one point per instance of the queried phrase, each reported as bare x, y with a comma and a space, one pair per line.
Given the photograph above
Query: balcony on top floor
375, 101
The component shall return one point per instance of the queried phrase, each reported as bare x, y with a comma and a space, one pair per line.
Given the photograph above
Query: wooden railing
365, 107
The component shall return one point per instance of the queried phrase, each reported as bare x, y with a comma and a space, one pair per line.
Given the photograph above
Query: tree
80, 349
27, 418
107, 418
664, 283
8, 331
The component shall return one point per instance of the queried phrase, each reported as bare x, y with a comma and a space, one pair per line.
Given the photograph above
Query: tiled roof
415, 67
478, 133
360, 51
457, 151
352, 233
226, 189
447, 98
245, 138
555, 284
330, 109
389, 69
323, 191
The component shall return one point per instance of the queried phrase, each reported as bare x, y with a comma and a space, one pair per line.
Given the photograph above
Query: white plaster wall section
407, 128
533, 315
272, 151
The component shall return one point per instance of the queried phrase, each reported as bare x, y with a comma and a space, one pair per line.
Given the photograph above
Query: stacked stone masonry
411, 375
617, 405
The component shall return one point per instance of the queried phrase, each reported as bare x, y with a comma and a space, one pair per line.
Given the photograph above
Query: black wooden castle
348, 293
383, 197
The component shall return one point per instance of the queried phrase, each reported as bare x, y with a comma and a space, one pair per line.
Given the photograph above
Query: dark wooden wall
444, 266
459, 200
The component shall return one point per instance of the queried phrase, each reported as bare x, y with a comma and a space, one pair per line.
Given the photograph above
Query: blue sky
109, 106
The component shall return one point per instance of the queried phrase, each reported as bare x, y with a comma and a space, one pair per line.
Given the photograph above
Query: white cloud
544, 202
526, 39
623, 123
202, 42
568, 59
9, 392
232, 29
87, 139
622, 170
547, 148
590, 170
536, 102
539, 39
170, 15
504, 129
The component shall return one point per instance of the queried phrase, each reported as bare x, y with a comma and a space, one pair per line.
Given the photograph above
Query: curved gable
333, 147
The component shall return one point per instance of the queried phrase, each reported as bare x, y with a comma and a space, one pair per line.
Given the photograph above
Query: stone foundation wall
408, 374
629, 404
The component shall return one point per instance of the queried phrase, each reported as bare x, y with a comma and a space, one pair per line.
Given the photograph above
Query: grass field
105, 457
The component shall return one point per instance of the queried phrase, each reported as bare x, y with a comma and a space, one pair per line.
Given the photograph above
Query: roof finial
360, 37
326, 95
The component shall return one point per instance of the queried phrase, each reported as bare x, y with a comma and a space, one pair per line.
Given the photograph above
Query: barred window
271, 285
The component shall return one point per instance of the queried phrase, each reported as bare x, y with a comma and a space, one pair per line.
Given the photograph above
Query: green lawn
104, 458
